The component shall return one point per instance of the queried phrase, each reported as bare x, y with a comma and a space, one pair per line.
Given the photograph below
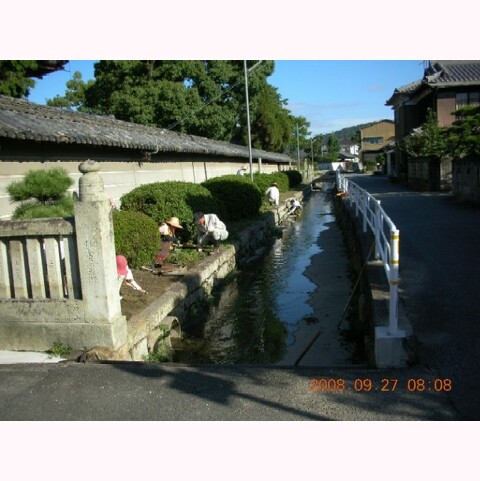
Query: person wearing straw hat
167, 231
242, 170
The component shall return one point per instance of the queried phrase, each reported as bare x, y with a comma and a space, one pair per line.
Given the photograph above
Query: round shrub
136, 237
162, 200
294, 177
237, 196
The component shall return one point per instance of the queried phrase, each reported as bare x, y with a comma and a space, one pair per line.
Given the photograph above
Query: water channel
257, 315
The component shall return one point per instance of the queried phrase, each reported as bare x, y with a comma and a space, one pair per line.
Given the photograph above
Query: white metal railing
387, 238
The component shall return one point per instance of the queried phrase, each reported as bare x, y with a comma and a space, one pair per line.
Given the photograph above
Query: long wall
121, 177
466, 179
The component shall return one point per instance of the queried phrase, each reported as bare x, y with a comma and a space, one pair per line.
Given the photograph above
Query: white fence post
394, 264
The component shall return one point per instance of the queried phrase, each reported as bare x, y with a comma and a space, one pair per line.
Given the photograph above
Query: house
373, 140
446, 86
36, 136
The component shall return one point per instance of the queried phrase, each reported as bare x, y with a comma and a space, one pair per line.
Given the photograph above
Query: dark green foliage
41, 185
16, 76
264, 181
199, 97
59, 208
136, 237
42, 193
238, 197
463, 136
162, 200
428, 141
294, 178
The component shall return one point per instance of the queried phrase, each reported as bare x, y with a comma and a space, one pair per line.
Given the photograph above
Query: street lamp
248, 113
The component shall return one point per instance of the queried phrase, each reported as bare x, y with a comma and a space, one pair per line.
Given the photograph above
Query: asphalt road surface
439, 281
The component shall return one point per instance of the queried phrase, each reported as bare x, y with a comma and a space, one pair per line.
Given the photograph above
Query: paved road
440, 281
141, 391
440, 285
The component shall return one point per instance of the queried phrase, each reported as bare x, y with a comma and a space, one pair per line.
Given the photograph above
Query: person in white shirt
292, 205
242, 170
273, 194
210, 230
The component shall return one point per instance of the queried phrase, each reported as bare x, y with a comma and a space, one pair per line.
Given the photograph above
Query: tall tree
17, 76
333, 147
427, 141
74, 98
299, 136
205, 98
463, 136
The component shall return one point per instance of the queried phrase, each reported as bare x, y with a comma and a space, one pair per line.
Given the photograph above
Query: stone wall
466, 179
430, 174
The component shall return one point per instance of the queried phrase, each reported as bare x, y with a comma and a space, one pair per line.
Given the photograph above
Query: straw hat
174, 222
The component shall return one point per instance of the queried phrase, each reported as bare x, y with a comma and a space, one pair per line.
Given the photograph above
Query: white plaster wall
122, 177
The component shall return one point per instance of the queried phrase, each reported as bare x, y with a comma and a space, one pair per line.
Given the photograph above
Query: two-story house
374, 138
446, 86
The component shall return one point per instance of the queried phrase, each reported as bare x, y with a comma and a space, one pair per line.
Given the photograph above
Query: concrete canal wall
169, 310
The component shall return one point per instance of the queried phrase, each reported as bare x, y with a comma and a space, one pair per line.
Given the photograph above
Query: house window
373, 140
462, 99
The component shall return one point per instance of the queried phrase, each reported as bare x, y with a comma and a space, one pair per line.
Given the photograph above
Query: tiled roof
455, 71
442, 73
21, 119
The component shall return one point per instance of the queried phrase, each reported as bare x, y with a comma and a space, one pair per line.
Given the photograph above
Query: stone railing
58, 280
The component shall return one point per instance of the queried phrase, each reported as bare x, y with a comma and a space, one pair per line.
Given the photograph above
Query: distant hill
345, 135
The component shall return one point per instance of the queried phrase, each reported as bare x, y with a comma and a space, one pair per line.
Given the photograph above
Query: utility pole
248, 121
298, 151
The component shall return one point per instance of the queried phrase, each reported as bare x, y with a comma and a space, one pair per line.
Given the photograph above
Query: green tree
333, 147
17, 76
429, 140
357, 139
199, 97
463, 136
315, 149
42, 193
272, 124
299, 136
74, 98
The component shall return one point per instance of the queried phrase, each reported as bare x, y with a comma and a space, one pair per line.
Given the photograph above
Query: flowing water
256, 315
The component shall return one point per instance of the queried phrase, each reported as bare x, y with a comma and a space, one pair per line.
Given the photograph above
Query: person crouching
210, 230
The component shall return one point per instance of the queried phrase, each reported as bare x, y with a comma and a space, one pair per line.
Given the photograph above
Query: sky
330, 94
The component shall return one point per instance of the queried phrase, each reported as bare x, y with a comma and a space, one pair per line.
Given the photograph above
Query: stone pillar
96, 255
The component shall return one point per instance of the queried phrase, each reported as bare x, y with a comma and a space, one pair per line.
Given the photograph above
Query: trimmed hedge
162, 200
136, 237
237, 196
264, 181
294, 177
